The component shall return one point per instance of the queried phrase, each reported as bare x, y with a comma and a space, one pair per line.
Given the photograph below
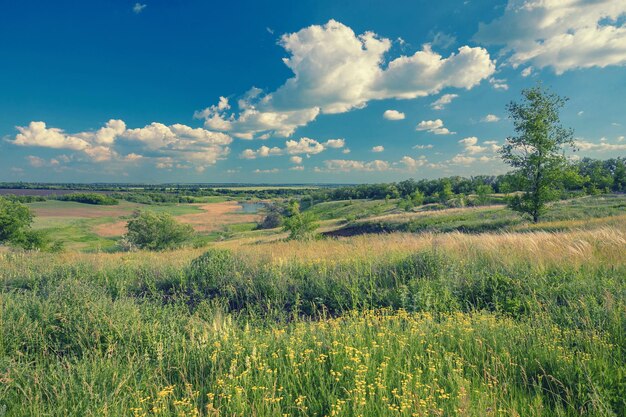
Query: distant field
42, 192
89, 227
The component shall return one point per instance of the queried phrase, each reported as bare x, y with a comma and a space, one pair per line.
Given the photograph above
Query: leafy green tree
156, 231
272, 219
417, 197
15, 219
15, 223
482, 193
446, 192
536, 151
301, 226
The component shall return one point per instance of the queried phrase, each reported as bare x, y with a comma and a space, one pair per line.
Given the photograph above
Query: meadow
521, 320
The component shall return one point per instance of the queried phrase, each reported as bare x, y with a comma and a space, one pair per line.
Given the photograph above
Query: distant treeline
588, 176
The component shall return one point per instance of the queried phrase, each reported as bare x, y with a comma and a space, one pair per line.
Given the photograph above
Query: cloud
433, 126
585, 145
412, 164
262, 152
442, 101
406, 163
393, 115
499, 84
303, 146
490, 118
461, 159
306, 146
562, 34
266, 171
296, 160
335, 143
429, 146
527, 71
346, 165
378, 148
471, 145
37, 134
297, 168
168, 145
336, 70
138, 8
443, 40
35, 161
580, 113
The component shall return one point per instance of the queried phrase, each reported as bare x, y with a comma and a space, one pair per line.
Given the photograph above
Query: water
251, 208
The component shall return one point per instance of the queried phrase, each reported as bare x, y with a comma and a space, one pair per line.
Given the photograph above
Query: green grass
77, 233
482, 219
434, 332
352, 208
517, 324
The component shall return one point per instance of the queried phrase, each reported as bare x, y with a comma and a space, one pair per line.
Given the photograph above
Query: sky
309, 91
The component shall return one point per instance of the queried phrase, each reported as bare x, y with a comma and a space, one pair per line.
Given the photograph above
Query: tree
15, 222
301, 226
536, 152
15, 219
273, 218
446, 192
156, 231
482, 193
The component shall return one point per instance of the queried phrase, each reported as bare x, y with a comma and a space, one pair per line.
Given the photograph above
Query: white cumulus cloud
562, 34
434, 126
336, 70
393, 115
490, 118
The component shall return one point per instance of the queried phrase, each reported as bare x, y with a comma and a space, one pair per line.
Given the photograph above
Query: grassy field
520, 321
86, 227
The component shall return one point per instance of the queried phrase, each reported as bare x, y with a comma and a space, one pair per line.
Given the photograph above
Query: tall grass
526, 324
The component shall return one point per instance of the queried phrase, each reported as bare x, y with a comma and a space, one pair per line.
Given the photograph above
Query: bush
89, 198
15, 218
156, 231
301, 226
272, 219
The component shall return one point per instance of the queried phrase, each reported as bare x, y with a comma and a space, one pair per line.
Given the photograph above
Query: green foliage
482, 193
25, 198
536, 151
464, 333
156, 231
446, 193
15, 228
15, 219
273, 217
301, 226
89, 198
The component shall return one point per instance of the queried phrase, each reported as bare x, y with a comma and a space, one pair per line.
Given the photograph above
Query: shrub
15, 218
272, 219
301, 226
89, 198
156, 231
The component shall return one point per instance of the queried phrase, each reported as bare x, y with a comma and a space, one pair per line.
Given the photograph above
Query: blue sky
296, 92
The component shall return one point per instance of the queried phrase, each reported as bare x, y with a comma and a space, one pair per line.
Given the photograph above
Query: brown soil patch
213, 217
111, 229
217, 215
